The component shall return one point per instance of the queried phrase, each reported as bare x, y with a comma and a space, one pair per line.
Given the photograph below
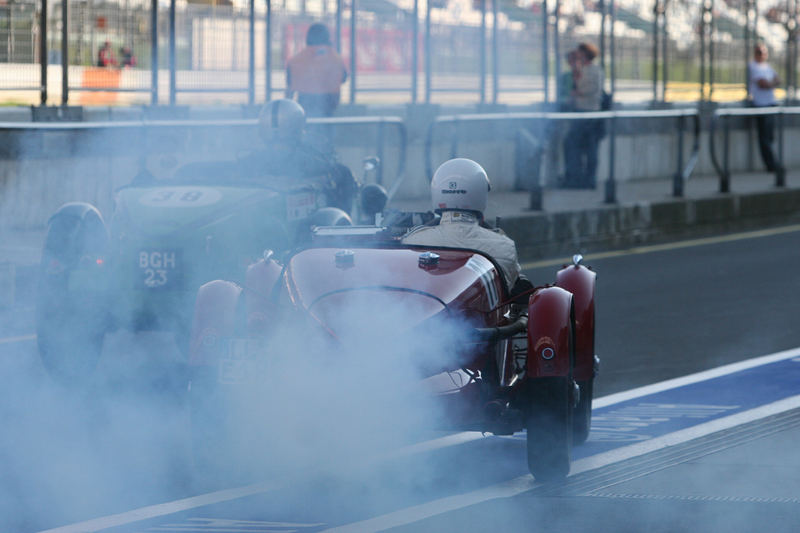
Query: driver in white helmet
286, 152
459, 191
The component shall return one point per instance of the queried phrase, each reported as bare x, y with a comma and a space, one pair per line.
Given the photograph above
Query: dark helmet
318, 34
281, 120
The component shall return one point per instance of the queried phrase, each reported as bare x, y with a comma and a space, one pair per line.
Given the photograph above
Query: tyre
549, 428
582, 417
71, 321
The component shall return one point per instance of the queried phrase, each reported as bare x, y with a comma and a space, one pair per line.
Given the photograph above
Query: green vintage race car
165, 238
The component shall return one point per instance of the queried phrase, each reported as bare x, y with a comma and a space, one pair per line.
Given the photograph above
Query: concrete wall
39, 170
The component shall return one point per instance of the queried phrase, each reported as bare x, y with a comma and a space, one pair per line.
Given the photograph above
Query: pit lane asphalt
660, 315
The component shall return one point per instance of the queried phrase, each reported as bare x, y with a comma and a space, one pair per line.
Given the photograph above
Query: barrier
724, 115
682, 173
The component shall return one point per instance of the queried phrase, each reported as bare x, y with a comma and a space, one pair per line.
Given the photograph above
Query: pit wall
39, 171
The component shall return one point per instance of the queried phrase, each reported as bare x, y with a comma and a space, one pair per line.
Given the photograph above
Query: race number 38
180, 197
158, 268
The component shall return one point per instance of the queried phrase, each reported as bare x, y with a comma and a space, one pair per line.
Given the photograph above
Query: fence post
415, 53
428, 52
268, 59
482, 44
725, 180
780, 171
353, 64
546, 54
495, 54
64, 52
172, 65
677, 181
454, 138
251, 51
611, 184
154, 52
43, 53
339, 26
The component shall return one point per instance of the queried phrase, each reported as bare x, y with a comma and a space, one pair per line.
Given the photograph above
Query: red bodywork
336, 290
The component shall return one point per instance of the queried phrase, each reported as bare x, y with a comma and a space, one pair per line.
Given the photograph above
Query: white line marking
667, 246
513, 487
23, 338
523, 483
163, 509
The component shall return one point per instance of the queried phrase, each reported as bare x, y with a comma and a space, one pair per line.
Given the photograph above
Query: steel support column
153, 52
268, 51
353, 64
546, 54
495, 53
482, 45
251, 52
339, 26
428, 51
43, 54
172, 65
64, 52
415, 53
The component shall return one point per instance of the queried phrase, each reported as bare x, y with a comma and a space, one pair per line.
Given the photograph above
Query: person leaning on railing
762, 80
580, 143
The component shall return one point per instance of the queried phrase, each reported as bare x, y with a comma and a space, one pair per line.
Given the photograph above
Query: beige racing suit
461, 229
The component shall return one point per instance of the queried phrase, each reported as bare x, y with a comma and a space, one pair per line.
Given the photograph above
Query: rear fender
214, 320
580, 281
549, 312
261, 308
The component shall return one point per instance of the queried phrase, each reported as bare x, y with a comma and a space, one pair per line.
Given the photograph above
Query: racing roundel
187, 196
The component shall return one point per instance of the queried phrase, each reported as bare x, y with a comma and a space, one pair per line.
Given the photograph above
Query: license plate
300, 205
245, 361
159, 269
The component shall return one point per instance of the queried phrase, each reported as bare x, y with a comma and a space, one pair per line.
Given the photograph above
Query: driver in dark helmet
286, 152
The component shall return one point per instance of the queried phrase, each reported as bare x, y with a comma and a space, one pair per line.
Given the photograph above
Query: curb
541, 235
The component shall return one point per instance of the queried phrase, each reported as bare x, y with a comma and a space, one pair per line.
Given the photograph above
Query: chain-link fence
445, 51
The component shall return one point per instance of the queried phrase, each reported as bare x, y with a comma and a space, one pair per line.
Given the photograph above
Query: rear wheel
549, 428
71, 307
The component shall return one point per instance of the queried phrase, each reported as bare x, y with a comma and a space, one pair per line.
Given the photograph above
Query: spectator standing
128, 59
316, 74
762, 80
580, 144
105, 56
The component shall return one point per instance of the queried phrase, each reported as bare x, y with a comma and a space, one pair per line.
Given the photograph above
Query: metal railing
724, 116
683, 169
145, 126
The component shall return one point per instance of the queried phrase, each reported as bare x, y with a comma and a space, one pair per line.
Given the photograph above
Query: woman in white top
761, 82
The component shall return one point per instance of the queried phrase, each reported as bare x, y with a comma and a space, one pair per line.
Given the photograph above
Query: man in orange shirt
316, 73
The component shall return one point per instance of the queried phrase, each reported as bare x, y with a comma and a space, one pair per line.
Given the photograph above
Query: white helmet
460, 184
281, 119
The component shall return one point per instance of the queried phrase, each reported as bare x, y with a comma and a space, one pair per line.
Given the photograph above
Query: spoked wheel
582, 418
549, 428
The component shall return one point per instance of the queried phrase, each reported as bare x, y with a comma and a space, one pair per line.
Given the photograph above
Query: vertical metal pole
353, 64
495, 53
43, 54
172, 65
153, 52
546, 55
711, 51
415, 53
748, 17
251, 52
428, 51
379, 174
64, 52
611, 184
613, 66
268, 59
602, 5
557, 42
482, 45
703, 51
655, 50
780, 172
339, 26
725, 181
677, 181
664, 50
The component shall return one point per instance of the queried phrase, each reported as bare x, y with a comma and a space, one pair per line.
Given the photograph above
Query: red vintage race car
521, 360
